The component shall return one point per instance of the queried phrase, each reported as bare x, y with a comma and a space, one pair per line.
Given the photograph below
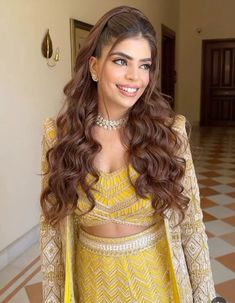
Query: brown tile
208, 217
230, 220
229, 238
208, 182
34, 292
231, 206
231, 194
217, 155
206, 191
216, 150
209, 235
214, 154
212, 167
211, 154
210, 174
226, 290
215, 161
227, 260
205, 202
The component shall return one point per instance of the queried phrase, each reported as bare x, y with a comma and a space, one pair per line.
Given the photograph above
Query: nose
132, 73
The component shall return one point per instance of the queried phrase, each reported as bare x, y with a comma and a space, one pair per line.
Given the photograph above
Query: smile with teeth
128, 90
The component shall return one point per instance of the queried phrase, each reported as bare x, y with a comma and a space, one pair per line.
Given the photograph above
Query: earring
94, 77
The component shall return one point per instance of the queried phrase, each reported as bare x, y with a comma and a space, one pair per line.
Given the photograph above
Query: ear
93, 66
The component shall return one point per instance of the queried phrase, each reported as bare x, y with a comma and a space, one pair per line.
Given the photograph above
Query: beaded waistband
122, 245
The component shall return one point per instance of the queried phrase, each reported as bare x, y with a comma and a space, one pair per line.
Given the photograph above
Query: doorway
218, 83
168, 74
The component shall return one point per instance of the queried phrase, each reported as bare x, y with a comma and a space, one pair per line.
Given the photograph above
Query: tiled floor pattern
214, 158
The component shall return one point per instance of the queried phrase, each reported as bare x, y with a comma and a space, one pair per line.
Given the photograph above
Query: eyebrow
129, 57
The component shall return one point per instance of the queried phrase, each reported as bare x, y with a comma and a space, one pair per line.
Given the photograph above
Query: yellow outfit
165, 263
107, 270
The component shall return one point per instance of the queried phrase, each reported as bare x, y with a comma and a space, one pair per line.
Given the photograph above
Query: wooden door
168, 64
218, 83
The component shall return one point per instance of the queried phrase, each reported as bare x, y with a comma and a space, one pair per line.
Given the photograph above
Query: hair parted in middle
148, 135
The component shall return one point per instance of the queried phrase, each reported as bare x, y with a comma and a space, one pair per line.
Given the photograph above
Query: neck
111, 113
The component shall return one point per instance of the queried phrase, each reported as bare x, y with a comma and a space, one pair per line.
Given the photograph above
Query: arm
50, 238
194, 238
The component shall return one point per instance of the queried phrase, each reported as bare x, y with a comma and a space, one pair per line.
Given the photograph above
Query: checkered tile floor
214, 159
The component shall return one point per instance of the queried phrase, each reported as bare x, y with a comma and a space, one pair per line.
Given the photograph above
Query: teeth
129, 89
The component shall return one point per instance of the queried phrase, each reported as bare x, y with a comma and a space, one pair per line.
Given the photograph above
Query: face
123, 75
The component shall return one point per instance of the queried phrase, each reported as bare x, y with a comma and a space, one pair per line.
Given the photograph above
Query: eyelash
146, 66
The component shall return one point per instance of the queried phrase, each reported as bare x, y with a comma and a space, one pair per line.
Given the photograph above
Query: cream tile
218, 227
20, 297
201, 185
229, 238
220, 212
10, 271
36, 279
201, 177
200, 169
224, 179
20, 279
225, 173
222, 199
223, 188
219, 247
228, 165
7, 274
220, 272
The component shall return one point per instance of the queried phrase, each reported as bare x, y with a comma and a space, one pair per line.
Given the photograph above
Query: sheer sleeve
193, 235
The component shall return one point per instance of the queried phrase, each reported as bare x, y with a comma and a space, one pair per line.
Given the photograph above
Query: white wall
216, 19
30, 92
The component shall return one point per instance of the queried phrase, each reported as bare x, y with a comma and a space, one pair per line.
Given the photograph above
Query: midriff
113, 230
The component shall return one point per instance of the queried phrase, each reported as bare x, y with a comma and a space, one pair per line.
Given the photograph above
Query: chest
112, 156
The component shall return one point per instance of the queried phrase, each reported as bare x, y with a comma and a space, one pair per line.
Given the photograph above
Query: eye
120, 62
146, 66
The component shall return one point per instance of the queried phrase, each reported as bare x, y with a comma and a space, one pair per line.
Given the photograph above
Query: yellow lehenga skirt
131, 269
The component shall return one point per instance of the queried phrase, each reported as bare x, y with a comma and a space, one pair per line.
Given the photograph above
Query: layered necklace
110, 124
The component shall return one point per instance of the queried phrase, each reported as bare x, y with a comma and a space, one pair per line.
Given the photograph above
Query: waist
122, 245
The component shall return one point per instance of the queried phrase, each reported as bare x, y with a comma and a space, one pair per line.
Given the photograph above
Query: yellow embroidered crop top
116, 201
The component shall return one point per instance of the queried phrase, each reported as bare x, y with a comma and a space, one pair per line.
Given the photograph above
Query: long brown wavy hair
151, 141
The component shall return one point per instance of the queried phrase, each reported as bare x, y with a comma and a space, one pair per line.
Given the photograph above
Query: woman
121, 218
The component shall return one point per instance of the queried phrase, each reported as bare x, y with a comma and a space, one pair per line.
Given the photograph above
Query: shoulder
179, 124
49, 131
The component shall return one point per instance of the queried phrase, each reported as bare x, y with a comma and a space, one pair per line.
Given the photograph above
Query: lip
128, 94
128, 86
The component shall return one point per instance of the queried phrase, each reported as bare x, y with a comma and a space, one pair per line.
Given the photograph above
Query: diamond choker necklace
110, 124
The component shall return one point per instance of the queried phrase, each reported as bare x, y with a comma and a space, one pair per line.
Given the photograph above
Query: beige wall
216, 19
30, 92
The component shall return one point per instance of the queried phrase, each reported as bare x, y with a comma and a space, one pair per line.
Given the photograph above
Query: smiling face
123, 75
